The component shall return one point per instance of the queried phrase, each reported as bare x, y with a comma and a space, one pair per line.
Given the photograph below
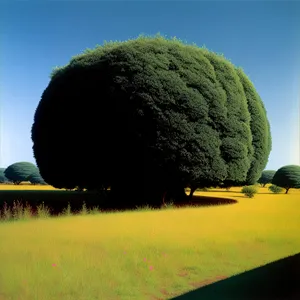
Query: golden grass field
145, 254
25, 186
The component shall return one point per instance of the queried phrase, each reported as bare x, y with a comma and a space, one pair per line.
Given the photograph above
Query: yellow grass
142, 255
26, 187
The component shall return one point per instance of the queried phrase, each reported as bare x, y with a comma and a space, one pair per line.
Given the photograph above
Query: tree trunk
192, 191
177, 194
286, 191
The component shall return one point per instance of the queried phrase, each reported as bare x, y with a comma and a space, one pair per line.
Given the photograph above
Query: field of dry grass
146, 254
26, 186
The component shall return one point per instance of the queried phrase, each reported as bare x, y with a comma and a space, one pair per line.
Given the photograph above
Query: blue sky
261, 37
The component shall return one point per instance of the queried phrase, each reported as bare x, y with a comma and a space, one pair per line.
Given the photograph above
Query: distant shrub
249, 191
275, 189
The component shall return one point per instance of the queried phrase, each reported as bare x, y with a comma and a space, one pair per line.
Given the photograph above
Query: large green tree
266, 177
287, 177
19, 171
150, 117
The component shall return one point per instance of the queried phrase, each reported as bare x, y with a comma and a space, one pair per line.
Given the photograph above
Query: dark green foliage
249, 191
19, 172
275, 189
234, 122
287, 177
150, 117
36, 178
260, 128
3, 179
266, 177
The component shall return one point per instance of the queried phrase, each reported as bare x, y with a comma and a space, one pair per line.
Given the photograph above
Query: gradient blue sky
261, 37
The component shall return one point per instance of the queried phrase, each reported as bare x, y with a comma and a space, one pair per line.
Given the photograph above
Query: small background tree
3, 179
19, 171
266, 177
36, 178
287, 177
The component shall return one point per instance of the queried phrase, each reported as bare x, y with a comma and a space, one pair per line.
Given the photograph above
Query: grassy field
145, 254
26, 186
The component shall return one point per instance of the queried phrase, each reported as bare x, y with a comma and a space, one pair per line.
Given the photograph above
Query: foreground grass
144, 254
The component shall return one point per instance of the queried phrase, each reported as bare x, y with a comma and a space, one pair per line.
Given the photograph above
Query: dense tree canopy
19, 171
36, 178
266, 177
3, 179
150, 116
287, 177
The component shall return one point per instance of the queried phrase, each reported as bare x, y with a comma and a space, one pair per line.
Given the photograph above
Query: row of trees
21, 171
286, 177
150, 117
